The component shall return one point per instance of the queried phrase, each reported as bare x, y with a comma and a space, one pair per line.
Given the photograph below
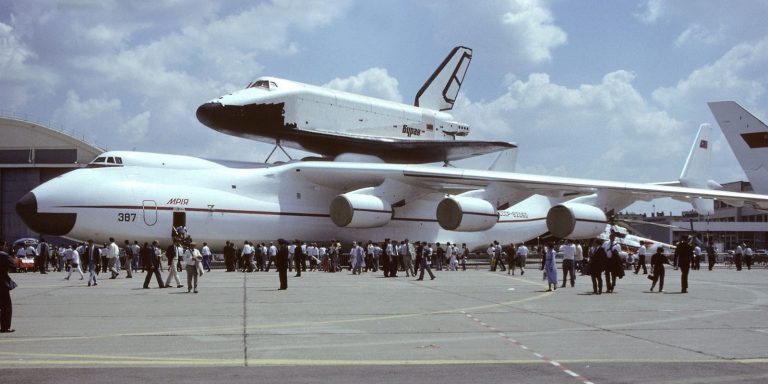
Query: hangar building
31, 154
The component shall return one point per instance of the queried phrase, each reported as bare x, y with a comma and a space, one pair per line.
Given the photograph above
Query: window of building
15, 156
56, 156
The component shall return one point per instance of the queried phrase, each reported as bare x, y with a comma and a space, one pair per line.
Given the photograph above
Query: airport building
727, 227
31, 154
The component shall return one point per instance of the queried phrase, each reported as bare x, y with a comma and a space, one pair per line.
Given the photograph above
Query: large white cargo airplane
748, 138
334, 123
149, 193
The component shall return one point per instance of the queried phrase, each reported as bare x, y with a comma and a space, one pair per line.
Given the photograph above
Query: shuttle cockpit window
265, 84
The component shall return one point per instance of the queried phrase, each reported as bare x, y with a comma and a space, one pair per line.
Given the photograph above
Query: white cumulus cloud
374, 82
534, 28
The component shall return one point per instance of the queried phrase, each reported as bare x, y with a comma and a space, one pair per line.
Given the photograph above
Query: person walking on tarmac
151, 264
596, 267
6, 285
282, 263
711, 255
657, 268
683, 254
641, 258
423, 250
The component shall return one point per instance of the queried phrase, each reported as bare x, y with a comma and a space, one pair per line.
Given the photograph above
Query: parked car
24, 263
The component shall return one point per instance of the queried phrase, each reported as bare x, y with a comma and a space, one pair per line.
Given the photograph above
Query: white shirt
206, 251
522, 250
190, 255
697, 251
641, 251
747, 252
579, 253
112, 251
569, 251
402, 249
247, 250
272, 250
491, 250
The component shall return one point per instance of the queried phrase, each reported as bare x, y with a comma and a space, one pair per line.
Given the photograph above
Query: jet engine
466, 214
360, 211
576, 221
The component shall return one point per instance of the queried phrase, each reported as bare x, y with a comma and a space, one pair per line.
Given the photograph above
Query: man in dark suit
683, 255
45, 253
298, 258
282, 263
151, 263
6, 284
229, 254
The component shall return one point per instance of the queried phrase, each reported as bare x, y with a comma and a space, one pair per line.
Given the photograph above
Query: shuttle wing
393, 150
454, 181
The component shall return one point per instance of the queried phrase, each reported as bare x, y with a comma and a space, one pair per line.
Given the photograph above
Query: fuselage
139, 203
271, 109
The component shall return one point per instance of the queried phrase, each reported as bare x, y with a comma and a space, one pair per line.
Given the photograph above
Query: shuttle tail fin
697, 171
748, 138
442, 88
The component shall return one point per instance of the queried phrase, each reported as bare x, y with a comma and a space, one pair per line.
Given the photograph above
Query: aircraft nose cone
55, 224
210, 113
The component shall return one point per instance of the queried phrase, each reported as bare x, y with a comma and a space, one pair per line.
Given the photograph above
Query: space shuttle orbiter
334, 123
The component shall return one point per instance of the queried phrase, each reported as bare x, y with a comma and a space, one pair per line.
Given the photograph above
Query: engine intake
466, 214
576, 221
360, 211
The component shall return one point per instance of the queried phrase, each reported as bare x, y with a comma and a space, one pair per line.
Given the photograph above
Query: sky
612, 90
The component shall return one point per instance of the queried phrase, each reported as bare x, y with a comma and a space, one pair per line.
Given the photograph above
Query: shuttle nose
210, 114
55, 224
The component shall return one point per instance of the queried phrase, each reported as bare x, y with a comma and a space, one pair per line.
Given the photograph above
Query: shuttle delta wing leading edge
334, 123
748, 138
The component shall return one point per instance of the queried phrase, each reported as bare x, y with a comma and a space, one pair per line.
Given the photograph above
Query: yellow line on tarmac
90, 360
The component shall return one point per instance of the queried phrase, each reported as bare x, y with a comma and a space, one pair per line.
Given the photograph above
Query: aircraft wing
393, 150
351, 176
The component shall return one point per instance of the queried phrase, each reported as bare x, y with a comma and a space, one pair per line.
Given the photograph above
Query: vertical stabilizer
697, 171
442, 88
748, 138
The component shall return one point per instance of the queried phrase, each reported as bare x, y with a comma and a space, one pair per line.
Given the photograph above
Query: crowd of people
601, 260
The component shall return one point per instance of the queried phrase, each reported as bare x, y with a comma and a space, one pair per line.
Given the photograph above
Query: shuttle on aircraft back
333, 123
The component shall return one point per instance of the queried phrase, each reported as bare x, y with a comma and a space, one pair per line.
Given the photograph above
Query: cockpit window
106, 161
263, 84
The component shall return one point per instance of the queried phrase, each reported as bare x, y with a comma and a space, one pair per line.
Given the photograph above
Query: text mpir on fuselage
332, 123
320, 201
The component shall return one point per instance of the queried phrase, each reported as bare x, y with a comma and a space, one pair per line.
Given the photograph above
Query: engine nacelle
576, 221
466, 214
360, 211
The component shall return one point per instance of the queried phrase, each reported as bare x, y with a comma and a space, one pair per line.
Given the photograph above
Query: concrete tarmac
473, 326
